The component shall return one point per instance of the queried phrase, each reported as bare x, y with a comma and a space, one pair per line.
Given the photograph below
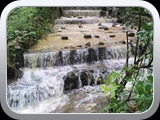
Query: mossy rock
99, 81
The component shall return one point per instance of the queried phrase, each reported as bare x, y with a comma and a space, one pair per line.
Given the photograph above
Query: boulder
60, 30
104, 27
72, 47
87, 36
112, 36
80, 26
131, 34
99, 24
101, 43
63, 27
70, 81
99, 81
96, 36
123, 42
84, 78
64, 37
100, 27
113, 25
130, 41
124, 28
80, 17
88, 44
65, 47
79, 45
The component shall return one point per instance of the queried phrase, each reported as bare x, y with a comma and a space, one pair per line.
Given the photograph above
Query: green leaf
10, 44
150, 78
150, 24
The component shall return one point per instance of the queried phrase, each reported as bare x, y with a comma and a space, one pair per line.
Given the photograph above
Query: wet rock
80, 26
131, 34
96, 36
10, 72
130, 41
112, 36
70, 81
123, 42
73, 60
79, 45
100, 27
102, 53
65, 47
80, 17
84, 78
88, 44
72, 47
104, 27
113, 25
124, 28
63, 27
64, 37
101, 43
99, 81
60, 30
92, 55
87, 36
99, 24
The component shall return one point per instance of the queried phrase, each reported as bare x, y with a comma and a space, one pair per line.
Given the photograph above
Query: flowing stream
68, 80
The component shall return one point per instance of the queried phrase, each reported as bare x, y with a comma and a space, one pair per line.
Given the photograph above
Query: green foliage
25, 25
144, 93
141, 88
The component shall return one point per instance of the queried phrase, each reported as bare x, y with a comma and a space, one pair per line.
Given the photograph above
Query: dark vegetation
25, 25
140, 95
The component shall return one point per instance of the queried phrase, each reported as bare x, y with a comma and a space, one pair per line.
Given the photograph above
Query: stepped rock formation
62, 63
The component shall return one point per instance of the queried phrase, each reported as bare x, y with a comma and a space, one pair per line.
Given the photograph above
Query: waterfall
66, 57
47, 75
75, 13
49, 78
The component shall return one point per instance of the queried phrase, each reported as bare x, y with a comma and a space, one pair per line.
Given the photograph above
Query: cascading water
70, 13
62, 81
52, 78
62, 58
